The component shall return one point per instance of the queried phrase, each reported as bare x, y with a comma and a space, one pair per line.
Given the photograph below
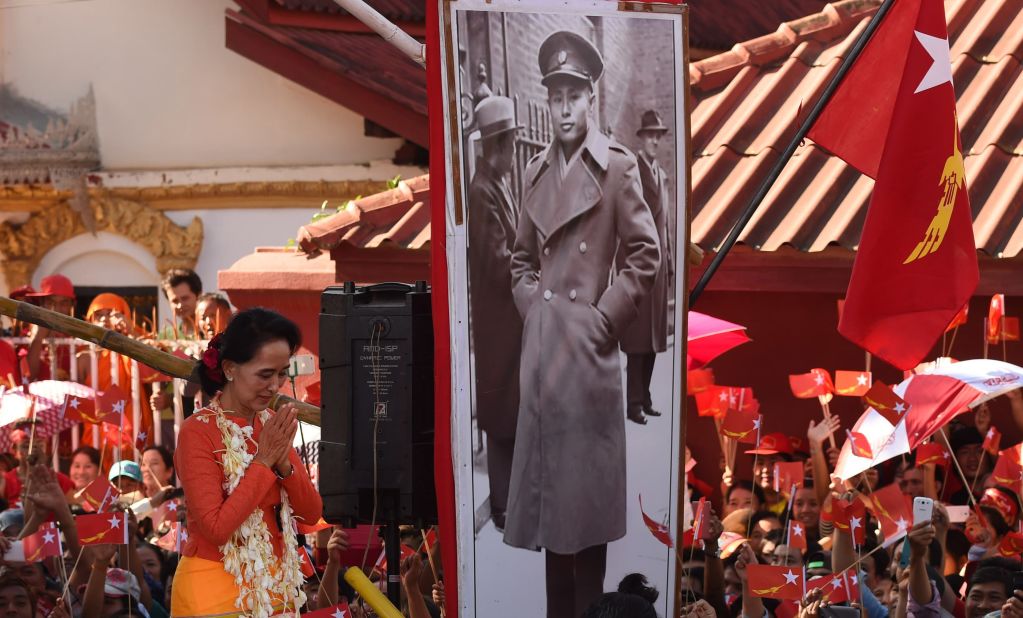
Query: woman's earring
229, 378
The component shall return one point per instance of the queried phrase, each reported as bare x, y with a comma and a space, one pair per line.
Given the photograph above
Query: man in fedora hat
582, 203
648, 333
495, 324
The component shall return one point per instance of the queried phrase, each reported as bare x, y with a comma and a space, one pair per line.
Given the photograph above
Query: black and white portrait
564, 254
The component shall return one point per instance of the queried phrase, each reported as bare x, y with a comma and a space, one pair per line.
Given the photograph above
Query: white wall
232, 234
168, 92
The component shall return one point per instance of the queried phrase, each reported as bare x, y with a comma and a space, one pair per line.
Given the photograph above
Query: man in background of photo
648, 333
495, 323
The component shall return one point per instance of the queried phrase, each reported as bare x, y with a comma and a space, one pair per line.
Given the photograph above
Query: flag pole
775, 172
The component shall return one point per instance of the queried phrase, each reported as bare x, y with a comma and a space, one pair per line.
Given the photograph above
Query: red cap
22, 292
1005, 505
772, 444
798, 445
55, 285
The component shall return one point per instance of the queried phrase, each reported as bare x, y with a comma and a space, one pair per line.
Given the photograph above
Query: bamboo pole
164, 362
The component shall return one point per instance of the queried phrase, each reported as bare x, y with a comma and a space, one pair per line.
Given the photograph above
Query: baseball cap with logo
772, 444
798, 445
54, 285
126, 468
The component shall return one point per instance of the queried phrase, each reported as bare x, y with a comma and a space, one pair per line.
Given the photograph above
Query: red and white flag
305, 562
817, 383
775, 582
892, 509
885, 402
932, 453
103, 529
110, 406
992, 440
797, 535
995, 317
334, 611
174, 539
99, 495
659, 530
45, 543
894, 119
852, 383
860, 445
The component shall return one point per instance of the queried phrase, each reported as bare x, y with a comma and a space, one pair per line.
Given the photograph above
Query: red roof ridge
836, 20
380, 210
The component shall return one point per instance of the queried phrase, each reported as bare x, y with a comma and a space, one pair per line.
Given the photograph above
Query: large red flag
775, 582
893, 118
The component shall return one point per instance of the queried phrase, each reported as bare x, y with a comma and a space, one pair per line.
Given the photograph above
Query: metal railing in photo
537, 132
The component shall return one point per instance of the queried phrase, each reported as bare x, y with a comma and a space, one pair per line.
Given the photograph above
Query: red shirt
213, 515
9, 364
12, 487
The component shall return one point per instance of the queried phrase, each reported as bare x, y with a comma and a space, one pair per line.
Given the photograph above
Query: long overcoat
649, 331
495, 323
568, 468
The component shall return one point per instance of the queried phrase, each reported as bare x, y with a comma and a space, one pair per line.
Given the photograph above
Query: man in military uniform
582, 203
648, 333
495, 325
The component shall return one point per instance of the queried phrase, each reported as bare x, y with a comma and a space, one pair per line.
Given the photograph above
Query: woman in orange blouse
245, 487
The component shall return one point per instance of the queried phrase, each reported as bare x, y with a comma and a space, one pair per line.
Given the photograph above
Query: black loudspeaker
376, 365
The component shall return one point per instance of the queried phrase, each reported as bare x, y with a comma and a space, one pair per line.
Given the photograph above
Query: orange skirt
203, 589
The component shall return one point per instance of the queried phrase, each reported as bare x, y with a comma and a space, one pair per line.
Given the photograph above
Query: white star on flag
790, 577
945, 455
902, 523
75, 402
797, 530
855, 522
119, 407
861, 380
990, 433
723, 396
836, 583
756, 423
48, 537
172, 506
142, 437
339, 614
182, 534
854, 580
115, 522
818, 378
941, 62
900, 408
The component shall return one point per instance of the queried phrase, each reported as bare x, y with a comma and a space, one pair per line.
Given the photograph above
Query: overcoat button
572, 295
582, 247
546, 250
547, 294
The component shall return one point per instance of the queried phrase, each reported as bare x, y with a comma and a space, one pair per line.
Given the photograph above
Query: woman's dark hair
165, 454
636, 583
247, 332
161, 556
10, 579
756, 490
88, 451
618, 605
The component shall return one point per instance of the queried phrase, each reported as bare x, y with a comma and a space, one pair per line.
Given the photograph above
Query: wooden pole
164, 362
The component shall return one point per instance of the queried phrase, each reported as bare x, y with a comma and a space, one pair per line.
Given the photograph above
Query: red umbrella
710, 337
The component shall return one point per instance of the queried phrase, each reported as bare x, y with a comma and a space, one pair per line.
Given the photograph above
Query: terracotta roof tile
398, 217
747, 103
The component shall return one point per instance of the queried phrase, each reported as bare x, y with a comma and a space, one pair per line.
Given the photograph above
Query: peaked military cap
567, 53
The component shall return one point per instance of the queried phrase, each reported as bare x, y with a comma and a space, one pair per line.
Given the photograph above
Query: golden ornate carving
23, 246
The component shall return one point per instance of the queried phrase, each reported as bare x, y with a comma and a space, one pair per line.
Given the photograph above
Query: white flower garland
248, 555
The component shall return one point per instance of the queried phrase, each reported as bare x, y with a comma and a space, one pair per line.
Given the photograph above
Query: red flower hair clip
211, 361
